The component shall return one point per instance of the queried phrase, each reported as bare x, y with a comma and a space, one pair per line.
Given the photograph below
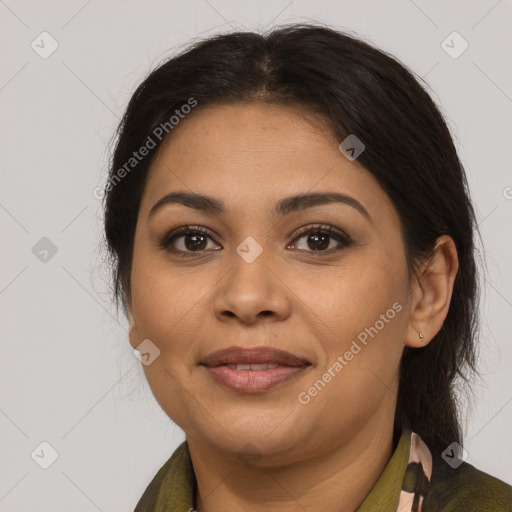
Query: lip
256, 355
221, 366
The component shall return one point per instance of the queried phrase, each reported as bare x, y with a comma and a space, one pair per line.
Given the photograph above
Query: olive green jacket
412, 481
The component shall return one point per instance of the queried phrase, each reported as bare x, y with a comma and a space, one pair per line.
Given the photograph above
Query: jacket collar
400, 487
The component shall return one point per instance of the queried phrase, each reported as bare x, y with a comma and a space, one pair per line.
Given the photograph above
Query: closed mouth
256, 359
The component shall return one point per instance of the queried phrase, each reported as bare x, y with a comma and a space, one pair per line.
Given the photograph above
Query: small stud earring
421, 336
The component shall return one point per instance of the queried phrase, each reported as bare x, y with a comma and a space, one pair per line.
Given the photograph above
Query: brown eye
186, 240
318, 239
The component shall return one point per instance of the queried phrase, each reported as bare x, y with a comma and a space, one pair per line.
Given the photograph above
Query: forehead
256, 152
239, 130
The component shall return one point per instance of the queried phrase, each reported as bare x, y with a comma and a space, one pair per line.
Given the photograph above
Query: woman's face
256, 280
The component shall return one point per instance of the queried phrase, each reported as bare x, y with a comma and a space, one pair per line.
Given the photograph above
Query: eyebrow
208, 204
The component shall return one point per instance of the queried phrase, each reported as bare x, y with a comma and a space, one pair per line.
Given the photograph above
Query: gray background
67, 373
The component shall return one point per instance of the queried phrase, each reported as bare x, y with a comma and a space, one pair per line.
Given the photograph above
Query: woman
292, 241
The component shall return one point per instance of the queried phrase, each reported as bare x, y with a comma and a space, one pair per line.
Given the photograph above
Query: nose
253, 291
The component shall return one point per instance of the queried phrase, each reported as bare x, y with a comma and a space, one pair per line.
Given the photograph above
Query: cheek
166, 306
363, 294
164, 300
362, 326
361, 332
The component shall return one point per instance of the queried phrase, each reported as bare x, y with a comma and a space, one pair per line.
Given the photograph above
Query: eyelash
324, 229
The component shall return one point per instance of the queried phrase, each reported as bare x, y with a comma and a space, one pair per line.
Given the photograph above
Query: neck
338, 479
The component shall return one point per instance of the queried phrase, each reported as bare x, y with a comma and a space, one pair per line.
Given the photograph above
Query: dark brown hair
360, 90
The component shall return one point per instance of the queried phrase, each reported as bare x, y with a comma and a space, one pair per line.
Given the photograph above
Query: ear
432, 292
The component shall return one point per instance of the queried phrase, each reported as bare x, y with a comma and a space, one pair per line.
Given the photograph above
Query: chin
260, 434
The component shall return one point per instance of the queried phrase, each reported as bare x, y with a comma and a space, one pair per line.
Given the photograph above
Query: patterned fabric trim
417, 476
